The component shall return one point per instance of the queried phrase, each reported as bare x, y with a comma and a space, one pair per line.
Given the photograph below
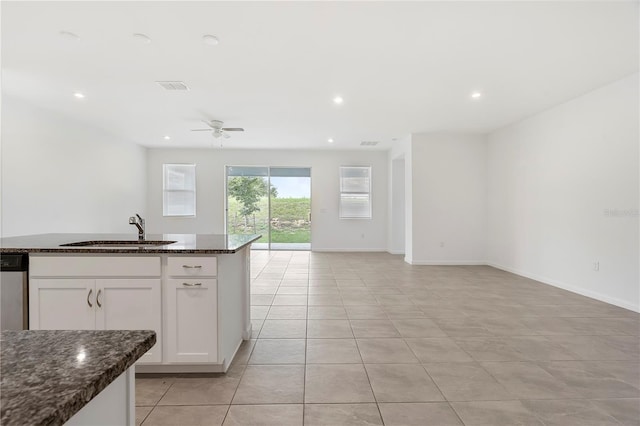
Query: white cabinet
97, 293
62, 304
192, 266
192, 320
96, 304
198, 305
191, 309
131, 304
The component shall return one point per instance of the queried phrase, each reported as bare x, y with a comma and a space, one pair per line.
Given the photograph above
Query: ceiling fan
215, 126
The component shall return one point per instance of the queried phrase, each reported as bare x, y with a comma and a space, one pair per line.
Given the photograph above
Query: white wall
552, 177
397, 207
449, 198
328, 232
61, 175
401, 151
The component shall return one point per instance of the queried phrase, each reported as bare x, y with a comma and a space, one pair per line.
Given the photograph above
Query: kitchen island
72, 377
191, 289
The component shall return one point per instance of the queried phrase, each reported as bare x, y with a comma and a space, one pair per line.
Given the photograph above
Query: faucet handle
141, 219
132, 220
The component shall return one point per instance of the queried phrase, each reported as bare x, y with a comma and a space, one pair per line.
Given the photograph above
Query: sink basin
118, 243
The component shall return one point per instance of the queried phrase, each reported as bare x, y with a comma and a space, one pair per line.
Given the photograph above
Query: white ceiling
401, 67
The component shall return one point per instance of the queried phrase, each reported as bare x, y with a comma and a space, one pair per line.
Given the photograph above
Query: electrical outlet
596, 266
441, 243
361, 235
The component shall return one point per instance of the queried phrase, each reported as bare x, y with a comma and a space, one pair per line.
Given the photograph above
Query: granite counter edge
113, 250
146, 250
66, 409
79, 401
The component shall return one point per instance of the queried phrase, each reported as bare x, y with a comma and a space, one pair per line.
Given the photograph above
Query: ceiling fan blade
233, 129
201, 130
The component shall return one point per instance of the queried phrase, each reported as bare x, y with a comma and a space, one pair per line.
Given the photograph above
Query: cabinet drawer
94, 266
192, 266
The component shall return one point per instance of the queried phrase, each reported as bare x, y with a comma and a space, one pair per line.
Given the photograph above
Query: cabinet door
131, 304
62, 304
191, 320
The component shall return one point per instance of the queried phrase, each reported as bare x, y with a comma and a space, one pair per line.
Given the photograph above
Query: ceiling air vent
368, 143
173, 85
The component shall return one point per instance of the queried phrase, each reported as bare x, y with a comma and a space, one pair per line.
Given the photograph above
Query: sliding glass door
248, 202
272, 201
290, 204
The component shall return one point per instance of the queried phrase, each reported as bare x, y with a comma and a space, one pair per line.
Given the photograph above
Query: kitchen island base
115, 405
196, 300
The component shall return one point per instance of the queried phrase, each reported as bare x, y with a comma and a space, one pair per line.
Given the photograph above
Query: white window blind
355, 192
179, 190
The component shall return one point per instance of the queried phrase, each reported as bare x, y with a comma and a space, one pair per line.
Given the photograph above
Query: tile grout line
407, 289
156, 404
244, 370
441, 393
306, 337
375, 398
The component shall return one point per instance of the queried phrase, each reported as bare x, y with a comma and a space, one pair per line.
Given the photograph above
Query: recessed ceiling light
166, 138
330, 140
476, 95
79, 95
68, 35
210, 40
338, 100
141, 38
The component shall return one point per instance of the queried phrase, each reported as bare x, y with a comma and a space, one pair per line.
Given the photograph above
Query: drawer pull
88, 297
192, 267
192, 285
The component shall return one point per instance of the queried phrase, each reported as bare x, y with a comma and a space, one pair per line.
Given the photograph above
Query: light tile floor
365, 339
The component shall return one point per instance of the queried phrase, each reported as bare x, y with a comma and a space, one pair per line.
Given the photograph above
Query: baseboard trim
588, 293
179, 368
447, 262
246, 334
353, 250
559, 284
395, 251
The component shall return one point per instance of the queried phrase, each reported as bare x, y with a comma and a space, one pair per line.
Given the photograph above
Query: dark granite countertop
48, 376
184, 243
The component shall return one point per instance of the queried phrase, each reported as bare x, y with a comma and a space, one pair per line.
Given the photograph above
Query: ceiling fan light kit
215, 126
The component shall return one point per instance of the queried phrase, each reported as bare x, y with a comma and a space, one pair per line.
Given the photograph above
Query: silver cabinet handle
98, 298
192, 285
88, 297
192, 267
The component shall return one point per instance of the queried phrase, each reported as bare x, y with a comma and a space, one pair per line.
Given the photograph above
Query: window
355, 192
179, 190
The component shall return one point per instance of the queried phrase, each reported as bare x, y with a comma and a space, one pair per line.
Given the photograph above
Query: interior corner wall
563, 195
62, 175
328, 231
397, 210
401, 151
449, 199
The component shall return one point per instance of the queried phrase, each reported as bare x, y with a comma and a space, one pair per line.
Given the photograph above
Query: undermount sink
117, 243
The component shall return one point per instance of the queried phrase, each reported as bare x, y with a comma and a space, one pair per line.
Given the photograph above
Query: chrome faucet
139, 223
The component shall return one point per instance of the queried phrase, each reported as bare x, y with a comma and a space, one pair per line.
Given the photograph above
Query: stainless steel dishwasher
14, 291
